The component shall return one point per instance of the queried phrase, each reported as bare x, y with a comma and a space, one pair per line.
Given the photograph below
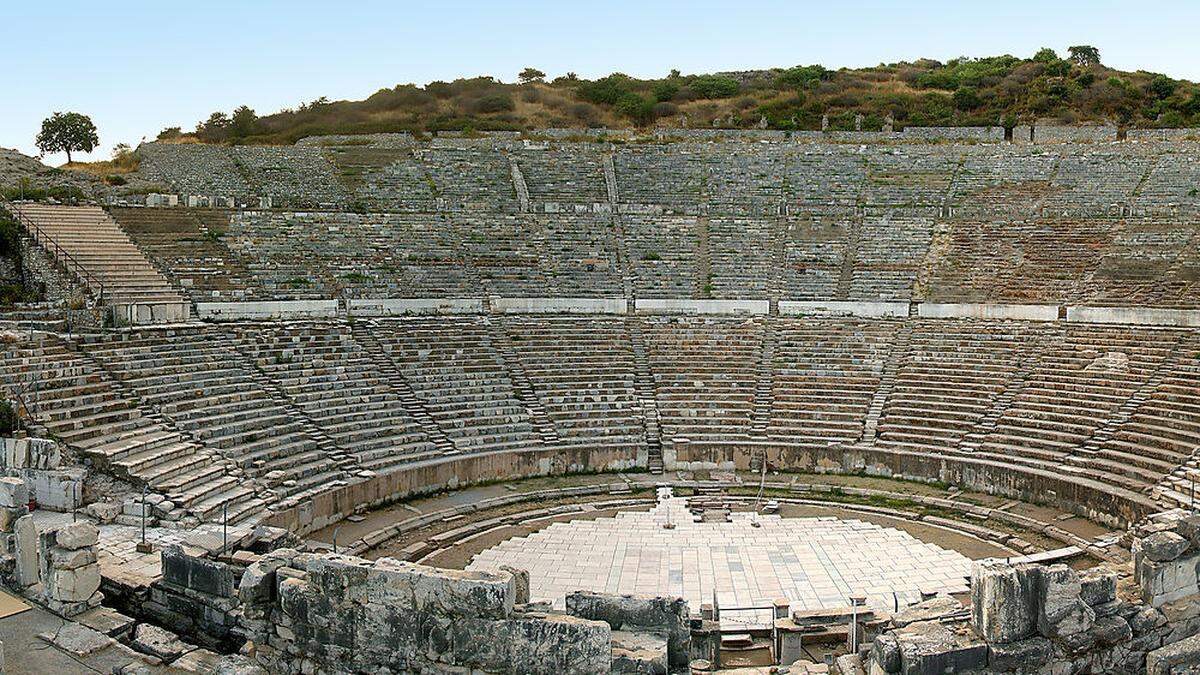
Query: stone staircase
846, 273
703, 278
1083, 455
644, 385
85, 240
519, 184
764, 388
522, 387
610, 181
309, 427
974, 438
887, 382
364, 335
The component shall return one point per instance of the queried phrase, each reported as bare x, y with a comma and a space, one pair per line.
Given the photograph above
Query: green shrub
494, 103
665, 91
714, 86
8, 419
115, 179
607, 90
651, 256
636, 108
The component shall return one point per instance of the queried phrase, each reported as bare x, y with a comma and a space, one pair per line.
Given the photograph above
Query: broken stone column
1062, 613
25, 538
13, 500
70, 569
1004, 604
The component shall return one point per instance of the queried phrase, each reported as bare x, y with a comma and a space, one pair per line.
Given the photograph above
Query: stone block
926, 610
929, 647
257, 585
158, 642
77, 535
522, 580
1019, 656
27, 551
885, 653
441, 591
1061, 611
1111, 630
1163, 546
104, 512
662, 614
637, 652
65, 559
9, 516
1189, 528
1180, 658
13, 493
1004, 601
73, 585
1098, 586
78, 640
188, 569
1166, 581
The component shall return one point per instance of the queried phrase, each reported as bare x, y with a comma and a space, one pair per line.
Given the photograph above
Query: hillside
1077, 89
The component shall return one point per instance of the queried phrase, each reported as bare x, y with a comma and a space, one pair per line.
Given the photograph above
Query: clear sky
137, 66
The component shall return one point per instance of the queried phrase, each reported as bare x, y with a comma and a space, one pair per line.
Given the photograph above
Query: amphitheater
851, 402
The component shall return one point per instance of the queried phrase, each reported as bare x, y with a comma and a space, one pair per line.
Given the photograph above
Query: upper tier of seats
241, 417
724, 216
730, 176
222, 255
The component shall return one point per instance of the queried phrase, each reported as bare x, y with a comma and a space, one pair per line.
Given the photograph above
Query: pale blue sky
138, 66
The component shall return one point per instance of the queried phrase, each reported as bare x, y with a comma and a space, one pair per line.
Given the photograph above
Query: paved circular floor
813, 562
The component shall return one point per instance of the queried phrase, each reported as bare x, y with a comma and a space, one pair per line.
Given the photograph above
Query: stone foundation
343, 614
1031, 618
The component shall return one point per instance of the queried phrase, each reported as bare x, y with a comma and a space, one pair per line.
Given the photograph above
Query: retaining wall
684, 306
560, 305
410, 306
1092, 499
835, 308
954, 310
1144, 316
282, 309
445, 474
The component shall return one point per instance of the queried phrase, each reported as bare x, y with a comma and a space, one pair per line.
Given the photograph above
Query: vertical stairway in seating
644, 386
88, 242
764, 387
887, 382
364, 335
506, 354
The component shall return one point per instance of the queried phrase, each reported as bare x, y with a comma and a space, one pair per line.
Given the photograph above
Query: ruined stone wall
662, 615
1031, 618
333, 505
1088, 498
341, 614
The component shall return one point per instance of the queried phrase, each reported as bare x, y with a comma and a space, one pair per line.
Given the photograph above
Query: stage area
750, 560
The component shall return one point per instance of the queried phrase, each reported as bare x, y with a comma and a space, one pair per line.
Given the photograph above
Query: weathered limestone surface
668, 616
345, 614
1061, 611
1177, 659
1166, 557
1003, 599
69, 568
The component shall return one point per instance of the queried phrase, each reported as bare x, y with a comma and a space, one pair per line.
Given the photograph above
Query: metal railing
66, 259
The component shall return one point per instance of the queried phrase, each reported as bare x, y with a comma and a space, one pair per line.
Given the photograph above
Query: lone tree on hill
531, 75
65, 132
1084, 55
